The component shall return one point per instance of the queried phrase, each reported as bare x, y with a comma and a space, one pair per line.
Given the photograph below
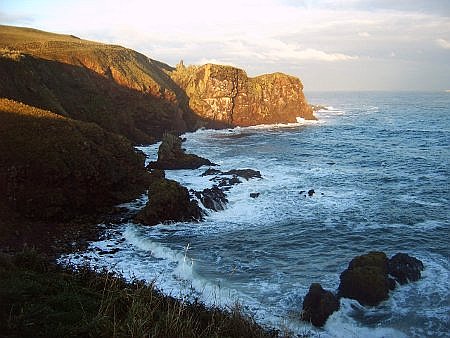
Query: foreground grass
38, 298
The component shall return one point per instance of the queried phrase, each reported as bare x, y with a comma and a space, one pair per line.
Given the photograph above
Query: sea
378, 163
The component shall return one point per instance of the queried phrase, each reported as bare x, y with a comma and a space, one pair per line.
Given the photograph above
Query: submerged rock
405, 268
211, 172
213, 198
227, 182
172, 156
318, 305
168, 201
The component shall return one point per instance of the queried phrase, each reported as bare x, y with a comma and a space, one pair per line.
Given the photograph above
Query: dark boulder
311, 192
318, 305
228, 182
244, 173
366, 279
405, 268
172, 156
254, 194
168, 201
213, 199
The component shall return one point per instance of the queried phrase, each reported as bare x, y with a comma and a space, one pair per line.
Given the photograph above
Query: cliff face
226, 94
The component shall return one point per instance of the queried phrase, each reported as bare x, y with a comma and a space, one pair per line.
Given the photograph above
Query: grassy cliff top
29, 39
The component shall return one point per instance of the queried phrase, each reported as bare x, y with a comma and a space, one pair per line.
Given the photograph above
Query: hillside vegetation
53, 167
119, 89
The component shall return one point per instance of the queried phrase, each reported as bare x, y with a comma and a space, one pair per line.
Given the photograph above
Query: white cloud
308, 54
364, 34
443, 43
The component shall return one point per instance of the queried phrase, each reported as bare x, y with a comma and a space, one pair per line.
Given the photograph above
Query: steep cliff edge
227, 95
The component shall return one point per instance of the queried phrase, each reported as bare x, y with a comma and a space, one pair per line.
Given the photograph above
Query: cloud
364, 34
308, 54
443, 43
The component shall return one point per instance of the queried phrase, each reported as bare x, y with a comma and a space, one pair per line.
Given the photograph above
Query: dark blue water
379, 165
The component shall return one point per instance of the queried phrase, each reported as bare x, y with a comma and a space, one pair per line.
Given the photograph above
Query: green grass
39, 299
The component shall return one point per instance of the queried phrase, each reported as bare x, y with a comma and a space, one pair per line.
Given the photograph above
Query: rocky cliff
227, 95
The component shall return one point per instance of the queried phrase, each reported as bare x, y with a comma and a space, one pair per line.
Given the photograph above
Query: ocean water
379, 165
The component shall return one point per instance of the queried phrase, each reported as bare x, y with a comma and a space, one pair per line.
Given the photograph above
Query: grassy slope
38, 299
118, 88
53, 167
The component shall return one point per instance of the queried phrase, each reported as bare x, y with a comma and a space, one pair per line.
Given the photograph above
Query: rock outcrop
366, 279
172, 156
227, 96
227, 179
212, 198
168, 201
318, 305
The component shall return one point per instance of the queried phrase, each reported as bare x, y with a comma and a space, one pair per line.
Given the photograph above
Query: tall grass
38, 298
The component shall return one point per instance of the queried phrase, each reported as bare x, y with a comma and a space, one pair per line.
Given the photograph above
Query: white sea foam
342, 324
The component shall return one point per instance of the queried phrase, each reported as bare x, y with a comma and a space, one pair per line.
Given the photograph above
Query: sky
330, 44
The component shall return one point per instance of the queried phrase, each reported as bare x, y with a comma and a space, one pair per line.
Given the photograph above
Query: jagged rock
226, 95
366, 279
318, 305
211, 171
244, 173
213, 199
228, 182
311, 192
254, 194
169, 201
405, 268
172, 156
